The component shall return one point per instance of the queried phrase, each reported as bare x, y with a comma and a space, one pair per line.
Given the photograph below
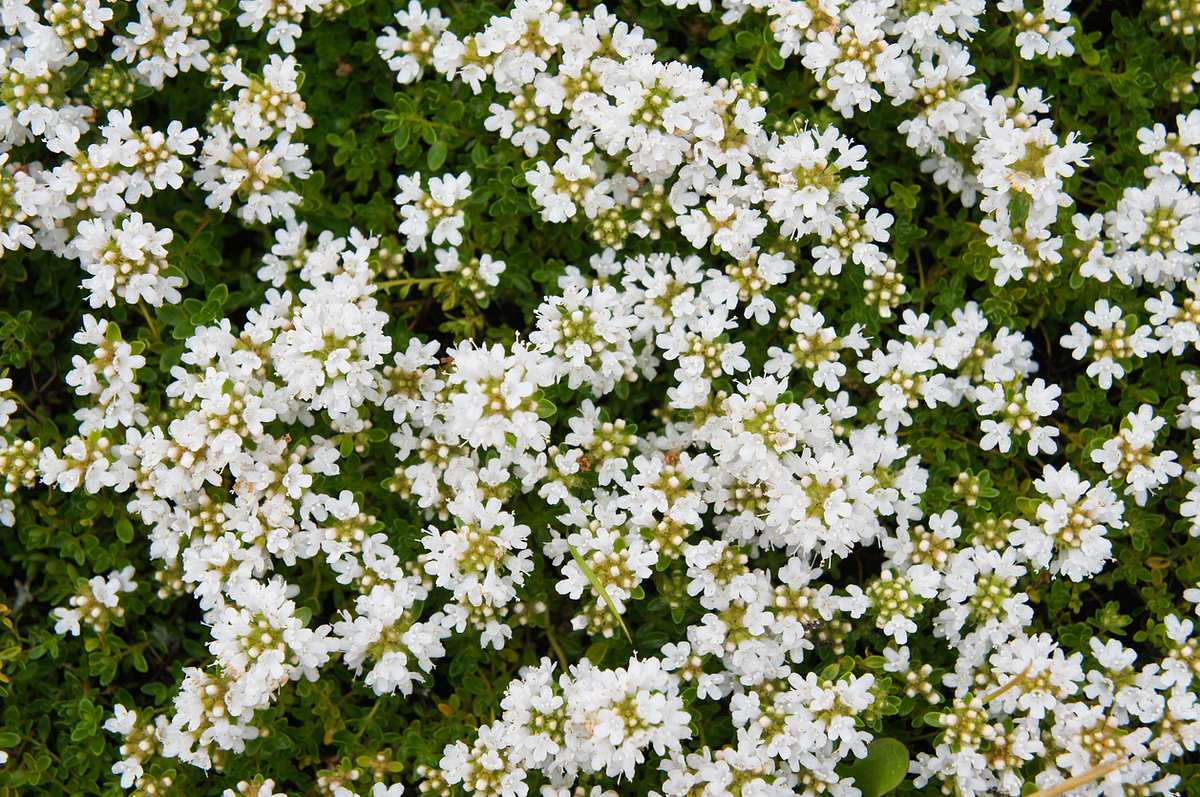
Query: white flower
408, 53
1113, 347
126, 260
1130, 455
1071, 525
434, 214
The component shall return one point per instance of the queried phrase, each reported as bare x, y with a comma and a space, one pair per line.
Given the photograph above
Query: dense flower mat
784, 397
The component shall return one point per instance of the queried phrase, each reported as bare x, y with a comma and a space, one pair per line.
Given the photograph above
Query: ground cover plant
773, 397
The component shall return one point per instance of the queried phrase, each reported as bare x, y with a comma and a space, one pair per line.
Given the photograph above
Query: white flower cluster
1149, 237
1001, 148
589, 720
409, 53
97, 604
768, 464
657, 147
432, 214
81, 207
249, 154
79, 204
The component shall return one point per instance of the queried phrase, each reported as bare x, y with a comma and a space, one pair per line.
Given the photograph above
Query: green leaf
436, 155
882, 770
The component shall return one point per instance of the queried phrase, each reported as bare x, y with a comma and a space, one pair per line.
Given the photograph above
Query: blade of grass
1095, 773
1011, 683
596, 585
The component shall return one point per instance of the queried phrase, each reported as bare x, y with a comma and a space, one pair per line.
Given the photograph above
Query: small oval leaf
882, 770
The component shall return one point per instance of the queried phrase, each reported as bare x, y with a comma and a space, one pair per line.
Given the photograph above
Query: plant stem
150, 322
558, 651
414, 281
367, 719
